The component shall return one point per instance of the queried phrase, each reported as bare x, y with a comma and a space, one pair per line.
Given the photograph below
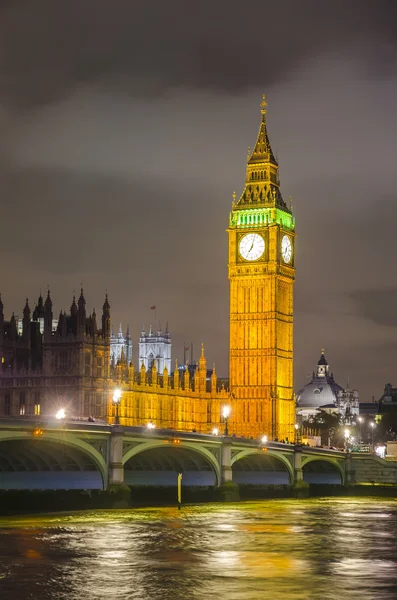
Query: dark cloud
50, 48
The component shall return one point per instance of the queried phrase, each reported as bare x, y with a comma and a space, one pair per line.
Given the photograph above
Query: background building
155, 348
323, 393
119, 344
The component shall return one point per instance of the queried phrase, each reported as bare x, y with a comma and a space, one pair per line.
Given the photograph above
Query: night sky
124, 129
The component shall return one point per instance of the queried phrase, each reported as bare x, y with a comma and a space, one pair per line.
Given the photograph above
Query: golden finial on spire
202, 349
322, 350
234, 197
263, 104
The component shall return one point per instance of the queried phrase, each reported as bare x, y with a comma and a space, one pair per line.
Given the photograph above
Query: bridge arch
322, 469
268, 459
20, 448
170, 457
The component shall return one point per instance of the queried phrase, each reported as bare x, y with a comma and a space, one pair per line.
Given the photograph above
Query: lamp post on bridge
116, 401
226, 415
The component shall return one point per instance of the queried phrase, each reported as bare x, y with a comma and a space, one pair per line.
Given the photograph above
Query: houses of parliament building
76, 363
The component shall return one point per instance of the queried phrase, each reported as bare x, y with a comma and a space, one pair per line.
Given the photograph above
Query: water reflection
286, 550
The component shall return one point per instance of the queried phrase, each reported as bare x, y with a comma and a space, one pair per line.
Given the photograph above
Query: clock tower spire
261, 273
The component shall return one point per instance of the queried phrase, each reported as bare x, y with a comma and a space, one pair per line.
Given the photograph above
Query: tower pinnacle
262, 184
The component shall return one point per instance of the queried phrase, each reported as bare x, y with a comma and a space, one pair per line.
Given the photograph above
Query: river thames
328, 549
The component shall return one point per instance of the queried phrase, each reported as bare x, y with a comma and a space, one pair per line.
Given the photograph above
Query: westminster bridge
50, 454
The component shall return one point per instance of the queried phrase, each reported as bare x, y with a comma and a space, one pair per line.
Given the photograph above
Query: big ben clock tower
261, 273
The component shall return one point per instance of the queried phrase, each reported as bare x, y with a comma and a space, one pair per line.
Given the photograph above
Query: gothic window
150, 361
7, 404
99, 366
37, 403
63, 358
87, 364
98, 408
22, 403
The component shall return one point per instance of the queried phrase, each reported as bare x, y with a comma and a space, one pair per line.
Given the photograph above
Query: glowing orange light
37, 432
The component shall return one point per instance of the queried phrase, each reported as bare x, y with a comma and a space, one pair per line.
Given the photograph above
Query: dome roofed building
321, 393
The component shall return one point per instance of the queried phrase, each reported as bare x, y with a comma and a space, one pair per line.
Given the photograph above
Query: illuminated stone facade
261, 274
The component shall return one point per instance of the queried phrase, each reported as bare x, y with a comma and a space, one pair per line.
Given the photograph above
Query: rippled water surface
280, 549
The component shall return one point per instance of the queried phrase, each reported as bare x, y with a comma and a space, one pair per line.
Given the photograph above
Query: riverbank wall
31, 501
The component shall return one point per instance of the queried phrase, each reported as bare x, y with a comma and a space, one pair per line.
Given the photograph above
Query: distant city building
323, 393
119, 345
155, 348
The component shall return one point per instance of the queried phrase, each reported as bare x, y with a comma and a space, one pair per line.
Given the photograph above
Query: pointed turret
165, 378
131, 373
186, 378
13, 329
213, 380
26, 324
38, 312
176, 376
94, 323
73, 307
60, 323
262, 185
48, 317
81, 313
106, 319
142, 374
202, 361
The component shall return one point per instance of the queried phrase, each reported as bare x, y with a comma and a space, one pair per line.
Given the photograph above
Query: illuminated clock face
252, 246
286, 249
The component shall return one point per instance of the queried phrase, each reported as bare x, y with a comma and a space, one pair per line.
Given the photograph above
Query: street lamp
264, 439
373, 425
215, 431
61, 414
116, 401
150, 425
226, 414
